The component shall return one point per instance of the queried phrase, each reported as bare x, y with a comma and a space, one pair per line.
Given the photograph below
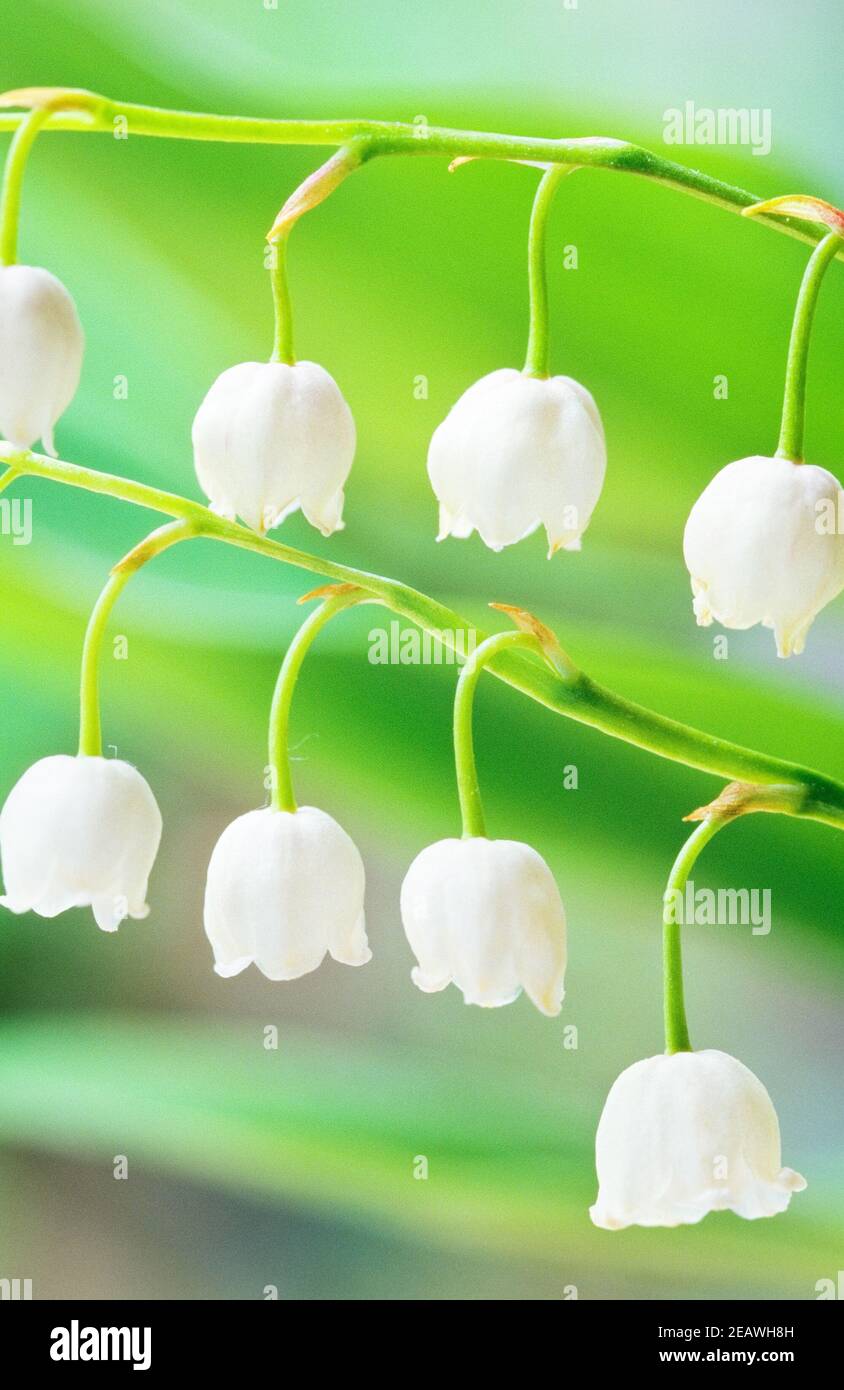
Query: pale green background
294, 1168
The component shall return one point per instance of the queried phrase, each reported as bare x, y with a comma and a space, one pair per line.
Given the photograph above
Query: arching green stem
790, 444
579, 698
76, 110
281, 796
468, 790
10, 199
90, 734
537, 360
283, 339
676, 1028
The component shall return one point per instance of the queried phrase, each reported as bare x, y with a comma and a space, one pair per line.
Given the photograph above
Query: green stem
790, 444
283, 339
10, 198
90, 733
577, 697
537, 359
676, 1027
282, 797
88, 111
468, 789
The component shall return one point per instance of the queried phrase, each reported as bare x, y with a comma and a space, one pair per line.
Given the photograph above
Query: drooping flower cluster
514, 453
681, 1134
517, 451
285, 888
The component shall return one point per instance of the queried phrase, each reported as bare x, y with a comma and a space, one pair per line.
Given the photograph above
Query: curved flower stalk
41, 338
486, 914
524, 449
273, 437
286, 883
691, 1132
757, 544
84, 831
90, 730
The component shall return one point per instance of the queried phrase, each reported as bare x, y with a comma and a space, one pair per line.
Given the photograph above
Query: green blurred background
294, 1168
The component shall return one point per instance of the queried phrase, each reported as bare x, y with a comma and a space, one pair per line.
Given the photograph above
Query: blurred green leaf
344, 1129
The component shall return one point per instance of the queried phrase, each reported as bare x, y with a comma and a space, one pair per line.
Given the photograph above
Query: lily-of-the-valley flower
270, 438
758, 551
517, 452
41, 347
284, 888
487, 915
79, 832
685, 1134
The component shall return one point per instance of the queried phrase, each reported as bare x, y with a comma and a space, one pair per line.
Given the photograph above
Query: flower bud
269, 438
283, 888
758, 551
487, 915
79, 832
686, 1134
516, 452
41, 346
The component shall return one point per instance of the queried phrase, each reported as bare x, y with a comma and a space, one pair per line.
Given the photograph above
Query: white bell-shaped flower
284, 888
516, 452
269, 438
487, 915
759, 549
686, 1134
41, 347
79, 832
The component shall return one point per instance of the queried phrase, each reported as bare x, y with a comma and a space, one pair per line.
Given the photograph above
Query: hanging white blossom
686, 1134
487, 915
517, 452
79, 832
41, 347
284, 888
270, 438
759, 548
